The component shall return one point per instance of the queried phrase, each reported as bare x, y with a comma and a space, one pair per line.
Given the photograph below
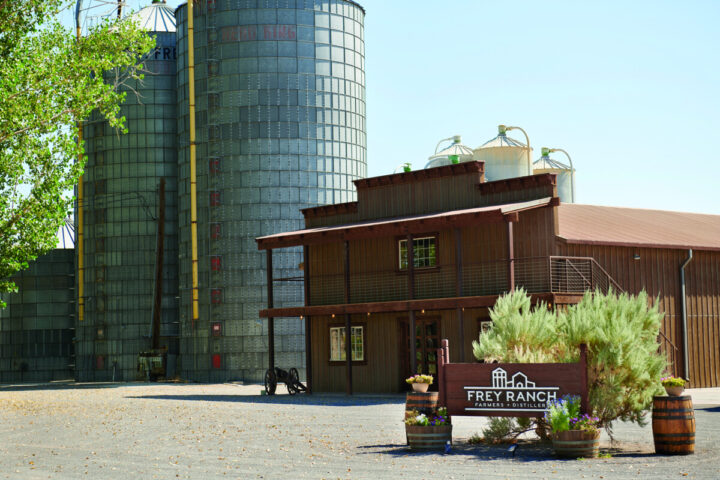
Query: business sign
249, 33
507, 389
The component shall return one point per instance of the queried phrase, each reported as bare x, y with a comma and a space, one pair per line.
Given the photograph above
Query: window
337, 344
424, 253
484, 326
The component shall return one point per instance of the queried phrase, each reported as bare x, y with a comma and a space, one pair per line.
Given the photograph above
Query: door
427, 341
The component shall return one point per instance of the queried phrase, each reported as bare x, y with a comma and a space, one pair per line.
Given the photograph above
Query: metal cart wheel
270, 381
292, 381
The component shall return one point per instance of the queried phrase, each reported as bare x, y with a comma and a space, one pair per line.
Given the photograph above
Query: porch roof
398, 225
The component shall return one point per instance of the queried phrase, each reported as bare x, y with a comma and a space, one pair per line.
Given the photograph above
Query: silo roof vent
157, 17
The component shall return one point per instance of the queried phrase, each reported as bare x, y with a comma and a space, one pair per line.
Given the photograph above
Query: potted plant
573, 434
674, 386
428, 432
420, 383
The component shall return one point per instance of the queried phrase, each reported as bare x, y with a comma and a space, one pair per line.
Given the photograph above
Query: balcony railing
554, 274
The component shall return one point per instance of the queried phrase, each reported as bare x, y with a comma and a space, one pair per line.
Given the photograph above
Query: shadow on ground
324, 400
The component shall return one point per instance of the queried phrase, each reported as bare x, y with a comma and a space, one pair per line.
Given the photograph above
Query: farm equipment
290, 378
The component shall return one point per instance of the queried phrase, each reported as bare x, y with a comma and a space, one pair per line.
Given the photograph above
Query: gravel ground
185, 431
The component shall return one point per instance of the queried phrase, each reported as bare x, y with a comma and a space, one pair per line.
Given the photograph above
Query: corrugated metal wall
37, 327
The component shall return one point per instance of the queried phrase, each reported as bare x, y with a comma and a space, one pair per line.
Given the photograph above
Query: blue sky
630, 89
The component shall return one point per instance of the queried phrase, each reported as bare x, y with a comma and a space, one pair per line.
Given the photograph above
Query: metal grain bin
121, 185
280, 95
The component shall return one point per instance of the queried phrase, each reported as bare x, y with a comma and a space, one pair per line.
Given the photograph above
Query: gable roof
592, 224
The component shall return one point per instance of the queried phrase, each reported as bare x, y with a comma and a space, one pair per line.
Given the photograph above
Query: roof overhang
402, 225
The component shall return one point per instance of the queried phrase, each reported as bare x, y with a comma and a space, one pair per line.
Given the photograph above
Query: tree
50, 81
620, 331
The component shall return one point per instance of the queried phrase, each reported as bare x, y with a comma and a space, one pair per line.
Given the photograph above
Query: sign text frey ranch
512, 393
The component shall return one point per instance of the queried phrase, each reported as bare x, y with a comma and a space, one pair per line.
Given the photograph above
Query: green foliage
621, 331
49, 81
506, 429
672, 382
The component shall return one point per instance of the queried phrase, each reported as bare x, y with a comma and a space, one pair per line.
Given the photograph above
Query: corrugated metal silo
565, 175
121, 183
280, 126
504, 157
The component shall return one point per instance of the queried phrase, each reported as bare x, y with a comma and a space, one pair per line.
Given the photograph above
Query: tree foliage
624, 364
49, 81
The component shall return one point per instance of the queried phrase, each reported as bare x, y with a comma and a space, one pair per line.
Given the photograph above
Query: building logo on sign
506, 394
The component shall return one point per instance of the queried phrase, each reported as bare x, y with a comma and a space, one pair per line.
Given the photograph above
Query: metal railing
554, 274
672, 353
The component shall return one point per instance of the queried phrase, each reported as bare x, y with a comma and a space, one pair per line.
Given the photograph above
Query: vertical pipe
193, 167
686, 367
271, 304
308, 323
511, 255
159, 260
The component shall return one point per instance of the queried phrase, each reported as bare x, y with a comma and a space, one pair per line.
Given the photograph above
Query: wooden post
348, 326
443, 358
348, 355
271, 320
459, 291
585, 397
511, 254
411, 295
308, 323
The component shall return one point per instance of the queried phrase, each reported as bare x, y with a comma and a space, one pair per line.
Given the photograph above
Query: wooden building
472, 241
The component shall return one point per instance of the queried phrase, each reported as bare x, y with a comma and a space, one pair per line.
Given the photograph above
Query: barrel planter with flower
576, 444
422, 437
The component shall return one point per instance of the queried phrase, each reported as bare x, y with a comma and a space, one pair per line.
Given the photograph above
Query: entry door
427, 341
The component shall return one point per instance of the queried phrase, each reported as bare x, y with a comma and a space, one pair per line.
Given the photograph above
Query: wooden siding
382, 371
657, 271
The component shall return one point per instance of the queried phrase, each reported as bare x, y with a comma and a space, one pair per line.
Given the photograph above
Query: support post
271, 320
348, 355
459, 290
411, 295
348, 326
585, 398
443, 358
308, 323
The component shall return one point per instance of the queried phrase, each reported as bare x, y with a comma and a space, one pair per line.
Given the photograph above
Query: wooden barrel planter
673, 424
422, 402
576, 444
428, 438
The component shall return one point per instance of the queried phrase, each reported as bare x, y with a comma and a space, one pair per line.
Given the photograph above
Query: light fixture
505, 128
368, 314
301, 317
333, 315
636, 256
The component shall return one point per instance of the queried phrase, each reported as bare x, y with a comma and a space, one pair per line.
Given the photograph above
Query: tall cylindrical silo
504, 157
121, 215
454, 153
280, 95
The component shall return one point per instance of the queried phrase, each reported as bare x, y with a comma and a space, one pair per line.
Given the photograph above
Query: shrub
620, 332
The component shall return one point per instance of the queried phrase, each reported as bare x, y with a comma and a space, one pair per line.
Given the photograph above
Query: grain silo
565, 173
122, 216
456, 152
280, 95
504, 157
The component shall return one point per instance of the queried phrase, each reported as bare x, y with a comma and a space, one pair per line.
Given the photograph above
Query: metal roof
395, 226
502, 140
544, 163
454, 149
157, 17
591, 224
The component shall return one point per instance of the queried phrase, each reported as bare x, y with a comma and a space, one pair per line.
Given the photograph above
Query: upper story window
424, 252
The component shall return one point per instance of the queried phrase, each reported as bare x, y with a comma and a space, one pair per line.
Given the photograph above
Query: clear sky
630, 89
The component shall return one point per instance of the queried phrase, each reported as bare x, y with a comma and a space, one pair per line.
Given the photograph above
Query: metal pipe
686, 369
529, 155
572, 172
193, 167
80, 216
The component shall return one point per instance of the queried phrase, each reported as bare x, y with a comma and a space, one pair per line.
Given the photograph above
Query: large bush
624, 364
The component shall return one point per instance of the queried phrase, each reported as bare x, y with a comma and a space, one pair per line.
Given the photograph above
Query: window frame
364, 343
399, 241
